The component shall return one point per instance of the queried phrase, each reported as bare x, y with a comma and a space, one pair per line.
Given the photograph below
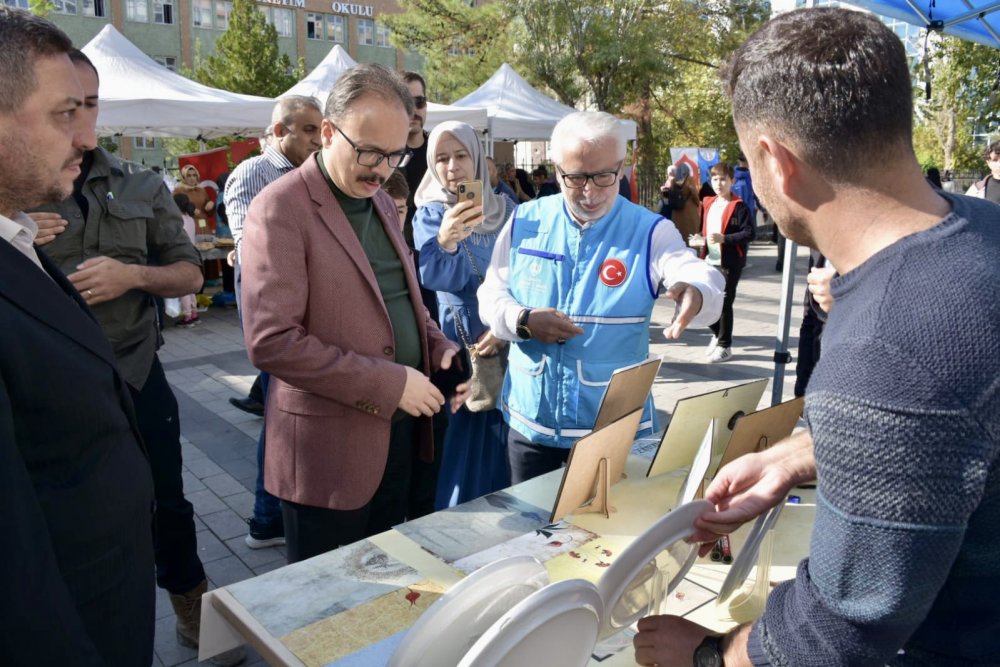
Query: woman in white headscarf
455, 241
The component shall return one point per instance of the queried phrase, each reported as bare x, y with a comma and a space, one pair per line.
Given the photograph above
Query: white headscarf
431, 189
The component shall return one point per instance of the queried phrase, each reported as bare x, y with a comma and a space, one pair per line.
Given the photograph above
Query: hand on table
50, 225
549, 325
667, 641
689, 302
101, 279
458, 223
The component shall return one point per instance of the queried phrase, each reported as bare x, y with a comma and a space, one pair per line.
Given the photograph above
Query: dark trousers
423, 483
310, 531
266, 508
810, 340
175, 547
724, 327
529, 460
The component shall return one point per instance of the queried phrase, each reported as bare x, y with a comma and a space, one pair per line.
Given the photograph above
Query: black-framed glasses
419, 101
601, 179
369, 157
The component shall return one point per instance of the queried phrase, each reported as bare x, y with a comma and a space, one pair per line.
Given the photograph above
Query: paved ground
207, 364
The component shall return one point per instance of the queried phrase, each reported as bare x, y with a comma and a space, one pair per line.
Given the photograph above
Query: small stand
602, 484
595, 463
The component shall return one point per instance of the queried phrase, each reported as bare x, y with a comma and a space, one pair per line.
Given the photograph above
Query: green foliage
461, 45
651, 60
965, 101
41, 7
247, 59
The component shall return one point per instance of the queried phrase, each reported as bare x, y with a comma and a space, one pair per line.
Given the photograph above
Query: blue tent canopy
974, 20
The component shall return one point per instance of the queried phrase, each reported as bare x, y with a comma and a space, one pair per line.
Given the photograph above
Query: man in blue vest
572, 284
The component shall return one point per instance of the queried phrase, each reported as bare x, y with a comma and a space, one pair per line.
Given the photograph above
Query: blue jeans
266, 508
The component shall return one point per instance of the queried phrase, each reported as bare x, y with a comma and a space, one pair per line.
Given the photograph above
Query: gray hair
366, 79
291, 104
25, 38
587, 127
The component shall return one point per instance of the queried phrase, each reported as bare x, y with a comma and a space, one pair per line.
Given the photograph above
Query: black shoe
262, 536
248, 405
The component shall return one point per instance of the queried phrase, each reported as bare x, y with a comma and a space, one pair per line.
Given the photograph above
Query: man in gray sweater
904, 406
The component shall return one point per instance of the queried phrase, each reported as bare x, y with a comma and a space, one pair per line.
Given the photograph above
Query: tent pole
781, 355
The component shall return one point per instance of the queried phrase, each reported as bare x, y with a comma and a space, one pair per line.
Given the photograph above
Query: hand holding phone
471, 191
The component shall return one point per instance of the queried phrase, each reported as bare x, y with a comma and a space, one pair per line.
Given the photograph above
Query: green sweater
388, 268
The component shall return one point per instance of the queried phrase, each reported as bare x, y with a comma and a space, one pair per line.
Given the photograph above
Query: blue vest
600, 278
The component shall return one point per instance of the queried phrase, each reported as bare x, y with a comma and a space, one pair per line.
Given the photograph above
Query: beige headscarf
431, 189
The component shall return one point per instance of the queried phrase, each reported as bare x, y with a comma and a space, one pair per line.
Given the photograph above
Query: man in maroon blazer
333, 312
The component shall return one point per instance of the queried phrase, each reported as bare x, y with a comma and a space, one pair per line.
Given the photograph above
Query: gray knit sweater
904, 408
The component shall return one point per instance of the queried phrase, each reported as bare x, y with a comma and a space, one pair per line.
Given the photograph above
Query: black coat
76, 492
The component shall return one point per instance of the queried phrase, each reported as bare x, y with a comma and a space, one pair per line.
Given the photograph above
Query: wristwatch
709, 652
522, 330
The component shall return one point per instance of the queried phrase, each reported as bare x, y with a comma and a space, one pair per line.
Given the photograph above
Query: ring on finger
88, 293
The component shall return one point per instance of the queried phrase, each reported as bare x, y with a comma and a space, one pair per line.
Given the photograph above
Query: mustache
76, 157
373, 178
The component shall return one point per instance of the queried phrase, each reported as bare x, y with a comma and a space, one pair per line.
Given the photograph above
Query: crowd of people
386, 410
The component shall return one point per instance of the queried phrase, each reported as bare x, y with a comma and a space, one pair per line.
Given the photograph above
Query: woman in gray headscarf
455, 240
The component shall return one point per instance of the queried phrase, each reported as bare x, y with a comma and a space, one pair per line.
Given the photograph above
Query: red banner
241, 150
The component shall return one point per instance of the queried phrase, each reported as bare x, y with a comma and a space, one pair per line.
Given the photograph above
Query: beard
26, 181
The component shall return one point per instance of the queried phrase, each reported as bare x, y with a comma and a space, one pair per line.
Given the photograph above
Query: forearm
172, 280
794, 456
671, 262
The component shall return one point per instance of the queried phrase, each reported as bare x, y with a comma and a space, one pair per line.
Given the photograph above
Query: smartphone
471, 191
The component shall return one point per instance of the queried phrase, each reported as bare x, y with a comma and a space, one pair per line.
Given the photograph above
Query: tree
462, 45
247, 59
964, 80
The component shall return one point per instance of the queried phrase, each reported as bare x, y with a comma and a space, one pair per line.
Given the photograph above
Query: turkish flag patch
613, 272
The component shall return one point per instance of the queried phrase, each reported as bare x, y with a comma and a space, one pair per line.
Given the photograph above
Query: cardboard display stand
595, 463
627, 391
758, 431
691, 417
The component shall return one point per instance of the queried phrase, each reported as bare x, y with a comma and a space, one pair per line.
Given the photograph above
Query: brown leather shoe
187, 606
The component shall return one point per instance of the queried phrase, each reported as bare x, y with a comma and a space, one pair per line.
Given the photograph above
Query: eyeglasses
601, 179
369, 157
419, 101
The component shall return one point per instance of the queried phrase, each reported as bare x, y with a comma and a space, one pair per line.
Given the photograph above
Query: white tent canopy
140, 97
519, 111
320, 81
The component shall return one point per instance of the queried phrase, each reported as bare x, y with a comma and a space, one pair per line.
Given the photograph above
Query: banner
241, 150
700, 160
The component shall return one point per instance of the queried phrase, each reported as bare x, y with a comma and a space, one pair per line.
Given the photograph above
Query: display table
350, 606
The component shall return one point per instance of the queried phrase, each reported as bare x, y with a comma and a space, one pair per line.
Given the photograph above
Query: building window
201, 13
163, 11
93, 8
382, 35
283, 21
137, 10
336, 29
169, 62
64, 6
366, 32
314, 26
222, 11
20, 4
146, 143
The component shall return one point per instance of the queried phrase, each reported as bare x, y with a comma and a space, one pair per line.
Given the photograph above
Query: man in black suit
75, 485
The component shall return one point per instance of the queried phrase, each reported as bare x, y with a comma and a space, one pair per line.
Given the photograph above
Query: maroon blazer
314, 318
